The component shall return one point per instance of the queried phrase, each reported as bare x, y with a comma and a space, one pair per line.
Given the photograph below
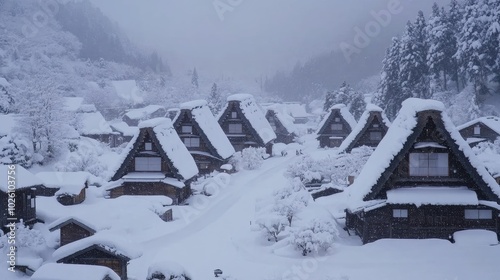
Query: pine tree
194, 78
414, 70
6, 100
389, 94
471, 49
454, 22
329, 101
492, 38
215, 101
437, 60
357, 105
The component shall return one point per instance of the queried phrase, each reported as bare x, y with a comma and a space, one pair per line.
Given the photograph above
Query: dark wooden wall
72, 232
97, 256
486, 132
151, 188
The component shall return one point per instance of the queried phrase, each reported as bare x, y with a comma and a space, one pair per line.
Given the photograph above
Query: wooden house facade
429, 185
70, 186
72, 229
480, 130
58, 271
245, 124
23, 199
202, 136
369, 131
335, 127
156, 162
282, 125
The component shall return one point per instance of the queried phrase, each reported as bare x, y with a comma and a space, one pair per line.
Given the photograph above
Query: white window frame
429, 164
232, 128
378, 133
191, 142
148, 146
188, 129
477, 129
234, 115
376, 125
337, 127
336, 119
478, 214
400, 213
147, 164
32, 202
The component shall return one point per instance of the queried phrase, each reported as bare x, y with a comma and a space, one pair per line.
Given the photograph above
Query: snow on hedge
109, 242
344, 113
168, 270
362, 123
67, 182
172, 145
475, 237
93, 123
395, 139
491, 122
143, 113
210, 127
432, 195
59, 271
255, 116
24, 178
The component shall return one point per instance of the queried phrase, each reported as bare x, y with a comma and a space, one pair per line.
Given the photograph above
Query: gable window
375, 125
429, 164
400, 213
148, 146
375, 135
147, 164
234, 115
477, 130
187, 129
337, 126
337, 119
476, 214
235, 128
192, 142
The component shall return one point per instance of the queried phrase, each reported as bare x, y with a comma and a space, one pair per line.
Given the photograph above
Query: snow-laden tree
194, 78
353, 99
248, 159
329, 101
271, 224
492, 38
15, 151
215, 100
314, 237
83, 158
290, 200
389, 95
349, 164
6, 100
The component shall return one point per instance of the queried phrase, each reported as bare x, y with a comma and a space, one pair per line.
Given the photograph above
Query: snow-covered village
238, 140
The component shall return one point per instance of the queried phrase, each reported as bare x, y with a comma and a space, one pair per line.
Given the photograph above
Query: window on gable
400, 213
337, 126
375, 125
235, 128
148, 146
192, 142
187, 129
147, 164
476, 214
477, 130
234, 115
337, 119
375, 135
429, 164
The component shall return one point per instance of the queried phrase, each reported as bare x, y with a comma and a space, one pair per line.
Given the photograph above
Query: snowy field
219, 231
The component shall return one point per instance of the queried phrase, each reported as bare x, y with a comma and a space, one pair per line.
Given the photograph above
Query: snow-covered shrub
15, 151
249, 159
236, 161
167, 271
271, 224
316, 236
26, 238
83, 159
306, 168
349, 164
290, 200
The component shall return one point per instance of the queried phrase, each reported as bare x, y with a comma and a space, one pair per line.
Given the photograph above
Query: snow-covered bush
26, 238
349, 164
306, 168
83, 159
271, 224
315, 237
290, 200
249, 159
15, 151
167, 271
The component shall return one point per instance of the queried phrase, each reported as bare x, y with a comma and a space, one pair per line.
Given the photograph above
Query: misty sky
257, 36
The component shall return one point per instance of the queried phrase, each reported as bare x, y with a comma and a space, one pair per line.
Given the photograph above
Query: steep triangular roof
344, 114
400, 138
492, 122
206, 124
286, 120
169, 145
252, 116
372, 113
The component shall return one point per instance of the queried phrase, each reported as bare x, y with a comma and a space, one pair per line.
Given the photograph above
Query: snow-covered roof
491, 122
59, 271
297, 110
432, 195
109, 242
285, 119
344, 113
72, 104
23, 178
143, 113
128, 90
68, 182
210, 127
83, 218
124, 128
93, 124
254, 115
370, 108
3, 82
395, 140
168, 269
87, 108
